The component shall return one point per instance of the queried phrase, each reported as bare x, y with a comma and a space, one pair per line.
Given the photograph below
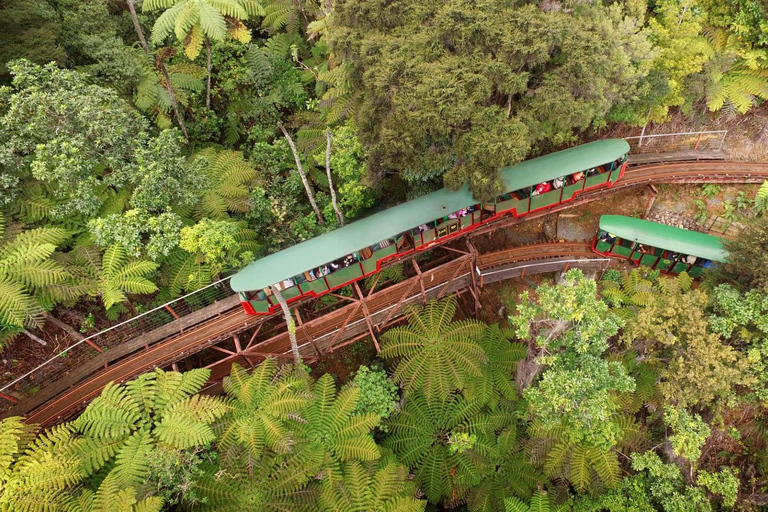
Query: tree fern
333, 431
274, 483
230, 177
112, 497
761, 198
496, 382
393, 273
512, 475
266, 408
371, 487
36, 479
435, 353
109, 275
190, 20
540, 502
733, 82
585, 466
421, 437
123, 425
27, 269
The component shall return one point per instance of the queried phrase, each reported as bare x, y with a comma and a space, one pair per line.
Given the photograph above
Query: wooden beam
448, 282
454, 250
223, 350
306, 332
421, 282
253, 336
343, 326
375, 282
344, 297
236, 339
397, 306
367, 316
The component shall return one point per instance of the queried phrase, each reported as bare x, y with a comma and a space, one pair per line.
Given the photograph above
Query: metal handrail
108, 329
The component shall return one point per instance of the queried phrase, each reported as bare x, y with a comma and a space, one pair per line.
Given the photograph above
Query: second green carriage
666, 248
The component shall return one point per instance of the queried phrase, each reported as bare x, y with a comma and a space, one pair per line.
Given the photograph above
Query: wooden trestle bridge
224, 330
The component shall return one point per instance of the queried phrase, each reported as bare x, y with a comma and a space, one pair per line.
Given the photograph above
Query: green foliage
725, 483
73, 136
349, 169
690, 433
28, 277
540, 502
229, 178
265, 408
35, 472
421, 438
585, 465
496, 384
173, 473
572, 326
29, 29
219, 244
193, 20
499, 79
123, 426
665, 485
710, 190
139, 232
436, 354
110, 275
334, 432
761, 197
380, 486
377, 393
164, 176
670, 330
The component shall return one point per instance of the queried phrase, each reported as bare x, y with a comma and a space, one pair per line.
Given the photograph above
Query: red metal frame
311, 294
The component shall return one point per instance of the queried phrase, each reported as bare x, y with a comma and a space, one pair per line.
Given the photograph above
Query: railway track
447, 278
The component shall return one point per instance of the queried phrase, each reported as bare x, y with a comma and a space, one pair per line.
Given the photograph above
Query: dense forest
148, 148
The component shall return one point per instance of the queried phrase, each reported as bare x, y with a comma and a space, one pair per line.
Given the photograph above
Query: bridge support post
367, 316
304, 330
421, 282
473, 273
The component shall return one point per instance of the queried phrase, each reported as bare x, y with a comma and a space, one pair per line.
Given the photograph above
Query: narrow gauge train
337, 258
666, 248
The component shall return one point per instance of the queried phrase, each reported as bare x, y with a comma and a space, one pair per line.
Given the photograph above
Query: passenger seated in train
558, 182
542, 188
608, 238
688, 259
573, 178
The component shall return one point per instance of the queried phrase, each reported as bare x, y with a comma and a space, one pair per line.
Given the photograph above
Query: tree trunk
208, 64
163, 70
290, 323
65, 327
310, 195
336, 208
35, 338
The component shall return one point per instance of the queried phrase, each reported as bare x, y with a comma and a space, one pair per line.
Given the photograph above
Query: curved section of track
444, 279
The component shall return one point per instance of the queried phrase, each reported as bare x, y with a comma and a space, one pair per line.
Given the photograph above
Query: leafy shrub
378, 394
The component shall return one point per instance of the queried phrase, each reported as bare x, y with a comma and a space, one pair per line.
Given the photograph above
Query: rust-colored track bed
325, 333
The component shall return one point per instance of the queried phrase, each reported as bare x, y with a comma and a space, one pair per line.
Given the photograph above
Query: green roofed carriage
666, 248
344, 255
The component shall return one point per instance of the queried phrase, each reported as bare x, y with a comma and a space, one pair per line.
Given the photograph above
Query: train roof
662, 236
562, 163
390, 222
